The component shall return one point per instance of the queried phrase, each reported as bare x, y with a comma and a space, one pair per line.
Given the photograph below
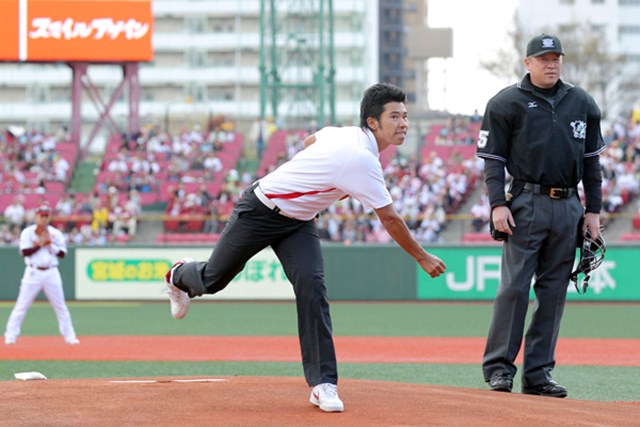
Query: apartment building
207, 57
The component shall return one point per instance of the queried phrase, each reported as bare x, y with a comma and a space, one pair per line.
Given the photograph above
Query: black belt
40, 268
552, 192
268, 202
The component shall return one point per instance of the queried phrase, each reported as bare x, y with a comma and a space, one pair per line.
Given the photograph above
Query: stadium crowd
194, 175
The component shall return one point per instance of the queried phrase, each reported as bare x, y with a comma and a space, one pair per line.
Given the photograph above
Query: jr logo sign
473, 273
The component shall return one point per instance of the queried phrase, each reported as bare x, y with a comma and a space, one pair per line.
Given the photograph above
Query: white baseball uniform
41, 274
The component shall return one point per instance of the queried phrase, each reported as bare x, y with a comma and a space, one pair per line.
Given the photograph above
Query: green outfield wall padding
352, 273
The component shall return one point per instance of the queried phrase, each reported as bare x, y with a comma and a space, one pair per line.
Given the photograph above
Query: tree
589, 63
508, 65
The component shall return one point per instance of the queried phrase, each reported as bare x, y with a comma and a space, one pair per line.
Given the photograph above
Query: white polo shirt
342, 162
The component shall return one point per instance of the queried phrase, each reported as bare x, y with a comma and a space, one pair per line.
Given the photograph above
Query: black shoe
501, 382
550, 388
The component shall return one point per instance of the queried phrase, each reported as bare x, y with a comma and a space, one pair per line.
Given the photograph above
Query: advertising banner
138, 274
473, 273
77, 30
10, 30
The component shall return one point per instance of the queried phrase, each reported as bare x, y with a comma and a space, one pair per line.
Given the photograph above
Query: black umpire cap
544, 43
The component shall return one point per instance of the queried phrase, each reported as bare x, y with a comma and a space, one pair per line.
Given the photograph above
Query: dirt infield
279, 401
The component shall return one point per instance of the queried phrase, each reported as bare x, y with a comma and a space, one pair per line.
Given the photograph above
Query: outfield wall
351, 273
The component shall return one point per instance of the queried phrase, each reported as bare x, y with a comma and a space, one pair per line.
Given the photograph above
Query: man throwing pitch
547, 134
279, 211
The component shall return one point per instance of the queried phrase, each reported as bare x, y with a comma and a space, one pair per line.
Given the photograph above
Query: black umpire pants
251, 228
543, 244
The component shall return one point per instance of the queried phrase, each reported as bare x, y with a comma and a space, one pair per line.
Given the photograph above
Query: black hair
375, 98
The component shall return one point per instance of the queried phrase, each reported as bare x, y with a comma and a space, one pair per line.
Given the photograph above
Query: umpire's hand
503, 220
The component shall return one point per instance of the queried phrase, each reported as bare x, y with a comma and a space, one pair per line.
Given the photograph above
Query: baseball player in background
41, 245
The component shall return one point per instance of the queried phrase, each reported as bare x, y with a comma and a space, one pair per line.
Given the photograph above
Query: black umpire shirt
553, 141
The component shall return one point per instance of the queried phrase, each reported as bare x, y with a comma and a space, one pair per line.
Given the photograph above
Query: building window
567, 1
628, 29
222, 59
196, 58
195, 24
356, 23
221, 94
223, 25
196, 92
629, 2
37, 93
597, 1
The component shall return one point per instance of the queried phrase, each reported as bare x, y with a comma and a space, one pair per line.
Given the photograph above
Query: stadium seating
630, 237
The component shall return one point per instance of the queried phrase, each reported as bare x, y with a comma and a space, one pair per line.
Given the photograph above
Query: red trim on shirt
290, 196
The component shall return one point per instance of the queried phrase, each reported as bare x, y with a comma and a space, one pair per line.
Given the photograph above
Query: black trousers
543, 244
251, 228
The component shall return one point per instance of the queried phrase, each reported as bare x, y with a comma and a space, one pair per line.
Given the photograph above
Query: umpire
546, 132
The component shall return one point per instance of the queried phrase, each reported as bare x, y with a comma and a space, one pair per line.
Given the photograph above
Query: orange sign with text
9, 38
76, 30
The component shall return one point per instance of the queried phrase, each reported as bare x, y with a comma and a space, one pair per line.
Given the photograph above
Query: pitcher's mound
283, 401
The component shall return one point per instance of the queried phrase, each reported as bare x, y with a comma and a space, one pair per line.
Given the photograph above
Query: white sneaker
179, 299
9, 340
72, 341
325, 396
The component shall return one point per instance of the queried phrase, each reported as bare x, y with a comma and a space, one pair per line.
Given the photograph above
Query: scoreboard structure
82, 33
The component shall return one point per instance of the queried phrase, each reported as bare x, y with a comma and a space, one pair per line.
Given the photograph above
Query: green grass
349, 319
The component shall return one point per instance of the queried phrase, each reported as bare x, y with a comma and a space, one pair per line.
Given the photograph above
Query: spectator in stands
134, 202
16, 179
7, 237
203, 198
173, 172
142, 183
61, 169
119, 164
159, 147
475, 117
111, 199
212, 163
140, 164
100, 217
182, 163
123, 221
86, 206
41, 187
66, 207
133, 209
15, 214
480, 212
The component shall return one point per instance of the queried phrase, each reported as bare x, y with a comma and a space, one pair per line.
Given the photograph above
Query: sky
458, 84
